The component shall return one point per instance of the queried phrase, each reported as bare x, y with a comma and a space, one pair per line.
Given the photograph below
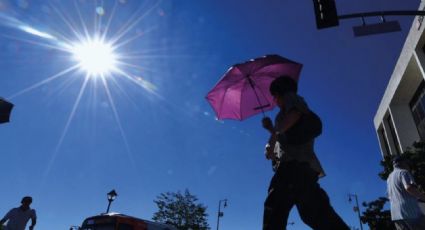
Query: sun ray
45, 45
132, 17
105, 33
119, 34
117, 119
94, 101
45, 81
60, 89
125, 42
92, 97
124, 92
95, 21
86, 32
142, 83
153, 50
68, 23
152, 56
137, 67
65, 130
100, 18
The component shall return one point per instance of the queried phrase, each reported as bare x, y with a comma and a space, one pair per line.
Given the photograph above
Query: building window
417, 106
384, 140
393, 135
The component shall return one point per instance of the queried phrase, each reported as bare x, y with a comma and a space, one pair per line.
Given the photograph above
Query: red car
116, 221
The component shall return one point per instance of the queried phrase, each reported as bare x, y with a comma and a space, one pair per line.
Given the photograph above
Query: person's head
280, 86
26, 201
401, 162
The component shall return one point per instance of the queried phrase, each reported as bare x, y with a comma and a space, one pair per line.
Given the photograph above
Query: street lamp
220, 213
111, 197
356, 208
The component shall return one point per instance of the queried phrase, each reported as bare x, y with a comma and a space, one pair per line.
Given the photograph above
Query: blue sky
160, 134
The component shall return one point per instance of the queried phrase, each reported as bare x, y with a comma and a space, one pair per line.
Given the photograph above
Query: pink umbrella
243, 91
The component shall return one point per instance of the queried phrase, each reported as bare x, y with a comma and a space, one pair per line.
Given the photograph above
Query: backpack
307, 128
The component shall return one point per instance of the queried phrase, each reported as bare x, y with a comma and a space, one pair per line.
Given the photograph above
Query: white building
400, 119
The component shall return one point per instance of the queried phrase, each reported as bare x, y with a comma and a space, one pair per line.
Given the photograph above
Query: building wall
394, 110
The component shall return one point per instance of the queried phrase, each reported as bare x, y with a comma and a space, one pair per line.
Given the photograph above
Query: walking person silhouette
297, 168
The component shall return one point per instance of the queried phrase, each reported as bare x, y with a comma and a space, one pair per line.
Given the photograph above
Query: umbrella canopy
243, 91
5, 110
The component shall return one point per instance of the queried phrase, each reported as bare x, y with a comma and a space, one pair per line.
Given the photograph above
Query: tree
181, 211
375, 216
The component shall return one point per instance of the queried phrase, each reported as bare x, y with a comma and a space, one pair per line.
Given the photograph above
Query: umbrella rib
222, 100
264, 96
251, 83
224, 96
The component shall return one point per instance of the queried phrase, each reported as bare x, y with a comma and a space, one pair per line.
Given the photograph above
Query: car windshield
99, 227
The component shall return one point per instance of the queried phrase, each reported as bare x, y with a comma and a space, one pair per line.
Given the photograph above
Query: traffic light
326, 15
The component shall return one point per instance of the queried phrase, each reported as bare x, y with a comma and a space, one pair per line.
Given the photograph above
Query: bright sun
95, 57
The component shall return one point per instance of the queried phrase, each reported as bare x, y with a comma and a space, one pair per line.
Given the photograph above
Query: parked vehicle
116, 221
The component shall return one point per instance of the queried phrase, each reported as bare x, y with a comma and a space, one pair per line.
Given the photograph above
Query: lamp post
111, 197
220, 213
356, 208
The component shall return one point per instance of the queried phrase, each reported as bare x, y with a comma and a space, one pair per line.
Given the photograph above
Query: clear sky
150, 130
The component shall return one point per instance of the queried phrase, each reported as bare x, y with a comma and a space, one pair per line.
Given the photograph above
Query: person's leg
277, 206
313, 204
316, 211
278, 203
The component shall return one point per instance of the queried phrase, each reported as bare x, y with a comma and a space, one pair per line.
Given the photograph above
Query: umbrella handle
261, 107
251, 83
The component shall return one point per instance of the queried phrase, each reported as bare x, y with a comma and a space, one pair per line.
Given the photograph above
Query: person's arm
414, 191
410, 185
268, 125
33, 221
291, 118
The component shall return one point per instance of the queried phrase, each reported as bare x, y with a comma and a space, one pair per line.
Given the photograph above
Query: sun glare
95, 57
104, 50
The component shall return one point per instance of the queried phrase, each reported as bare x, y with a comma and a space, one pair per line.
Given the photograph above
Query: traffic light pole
327, 15
382, 13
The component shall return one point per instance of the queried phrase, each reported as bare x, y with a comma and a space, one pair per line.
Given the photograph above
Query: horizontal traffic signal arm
383, 13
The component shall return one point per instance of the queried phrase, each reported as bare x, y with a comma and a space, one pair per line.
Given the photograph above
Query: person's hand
269, 152
267, 123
